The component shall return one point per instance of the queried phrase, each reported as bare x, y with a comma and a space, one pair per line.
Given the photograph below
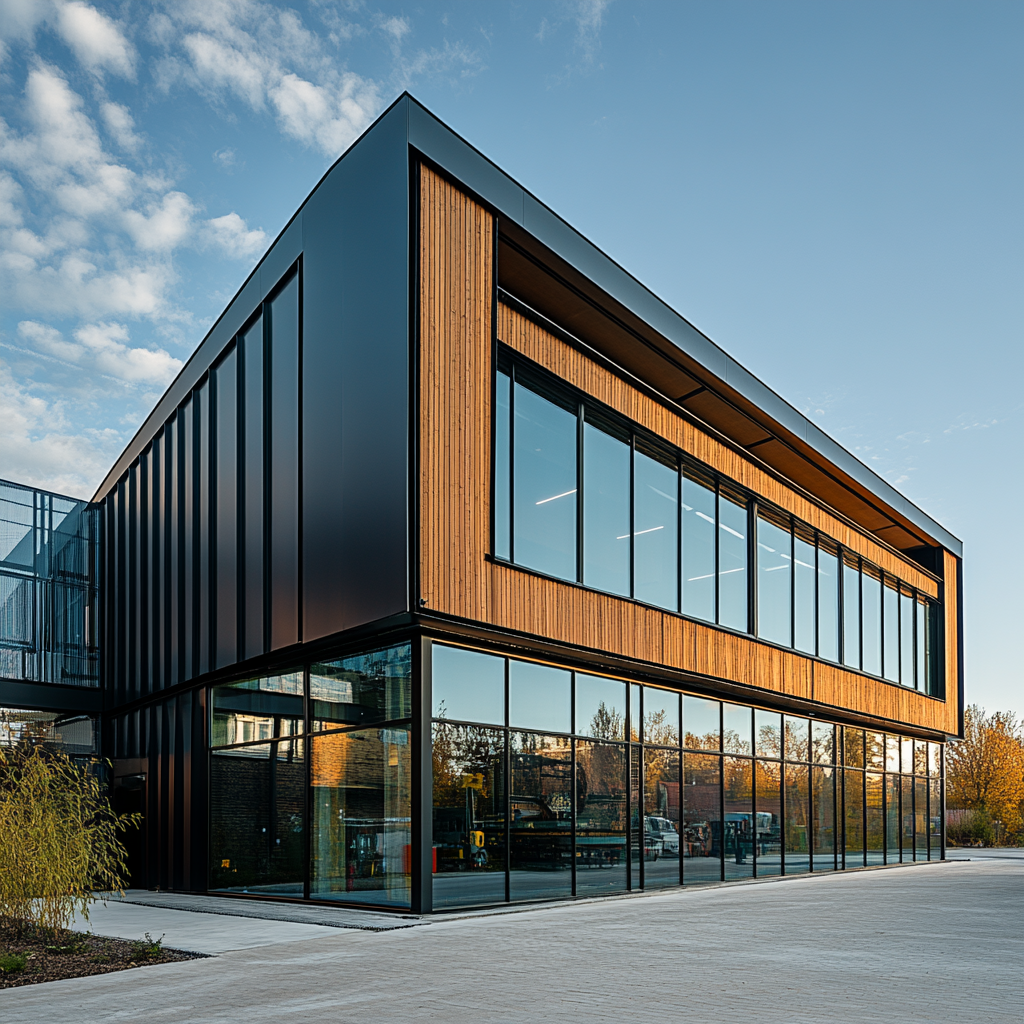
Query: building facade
455, 568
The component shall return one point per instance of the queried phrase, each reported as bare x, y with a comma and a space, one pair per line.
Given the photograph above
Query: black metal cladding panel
283, 486
251, 425
225, 513
355, 385
204, 524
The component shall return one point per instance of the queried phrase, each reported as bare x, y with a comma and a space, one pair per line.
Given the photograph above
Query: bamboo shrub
58, 840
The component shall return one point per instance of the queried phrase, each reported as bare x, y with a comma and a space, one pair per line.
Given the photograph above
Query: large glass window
804, 572
768, 733
875, 819
906, 639
468, 815
540, 808
854, 818
257, 709
891, 637
539, 697
661, 717
606, 530
362, 816
468, 686
893, 825
828, 604
702, 819
733, 585
736, 729
702, 723
823, 818
600, 707
768, 818
738, 820
871, 622
600, 817
361, 689
851, 613
920, 675
774, 582
662, 824
655, 530
698, 547
544, 485
503, 468
798, 833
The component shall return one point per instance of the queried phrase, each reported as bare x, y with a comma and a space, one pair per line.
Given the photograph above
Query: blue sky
830, 191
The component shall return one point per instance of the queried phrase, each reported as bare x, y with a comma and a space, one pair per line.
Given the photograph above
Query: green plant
58, 840
12, 962
147, 947
971, 828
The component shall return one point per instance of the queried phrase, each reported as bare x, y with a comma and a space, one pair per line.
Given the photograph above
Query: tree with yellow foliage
985, 770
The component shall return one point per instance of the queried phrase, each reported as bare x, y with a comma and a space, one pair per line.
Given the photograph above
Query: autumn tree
985, 770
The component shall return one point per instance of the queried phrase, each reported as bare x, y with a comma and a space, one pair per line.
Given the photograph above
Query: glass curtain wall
552, 783
582, 495
310, 781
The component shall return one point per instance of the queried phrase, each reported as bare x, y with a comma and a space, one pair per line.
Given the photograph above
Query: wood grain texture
456, 576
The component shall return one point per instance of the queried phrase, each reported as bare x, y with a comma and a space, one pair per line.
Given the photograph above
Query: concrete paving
931, 942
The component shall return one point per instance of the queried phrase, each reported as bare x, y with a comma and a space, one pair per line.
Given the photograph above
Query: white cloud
164, 225
121, 126
328, 117
97, 41
103, 348
38, 446
232, 236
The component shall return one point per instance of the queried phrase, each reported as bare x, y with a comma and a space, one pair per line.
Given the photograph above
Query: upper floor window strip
582, 495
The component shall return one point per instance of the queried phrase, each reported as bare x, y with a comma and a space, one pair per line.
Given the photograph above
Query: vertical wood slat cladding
455, 474
456, 239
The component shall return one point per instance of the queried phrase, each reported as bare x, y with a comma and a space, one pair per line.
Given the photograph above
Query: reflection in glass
853, 830
823, 742
921, 819
662, 835
540, 808
851, 614
637, 842
698, 548
362, 816
600, 817
468, 686
853, 747
656, 532
738, 820
875, 819
732, 563
702, 723
906, 640
935, 817
828, 604
907, 755
920, 757
634, 712
907, 817
893, 825
606, 533
797, 738
539, 697
920, 677
736, 729
823, 818
257, 815
702, 819
661, 717
362, 689
798, 839
469, 815
891, 632
774, 580
544, 468
768, 733
502, 469
875, 751
871, 632
257, 709
892, 753
803, 594
934, 758
769, 818
600, 707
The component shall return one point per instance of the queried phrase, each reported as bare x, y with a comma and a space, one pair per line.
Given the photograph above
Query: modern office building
456, 568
